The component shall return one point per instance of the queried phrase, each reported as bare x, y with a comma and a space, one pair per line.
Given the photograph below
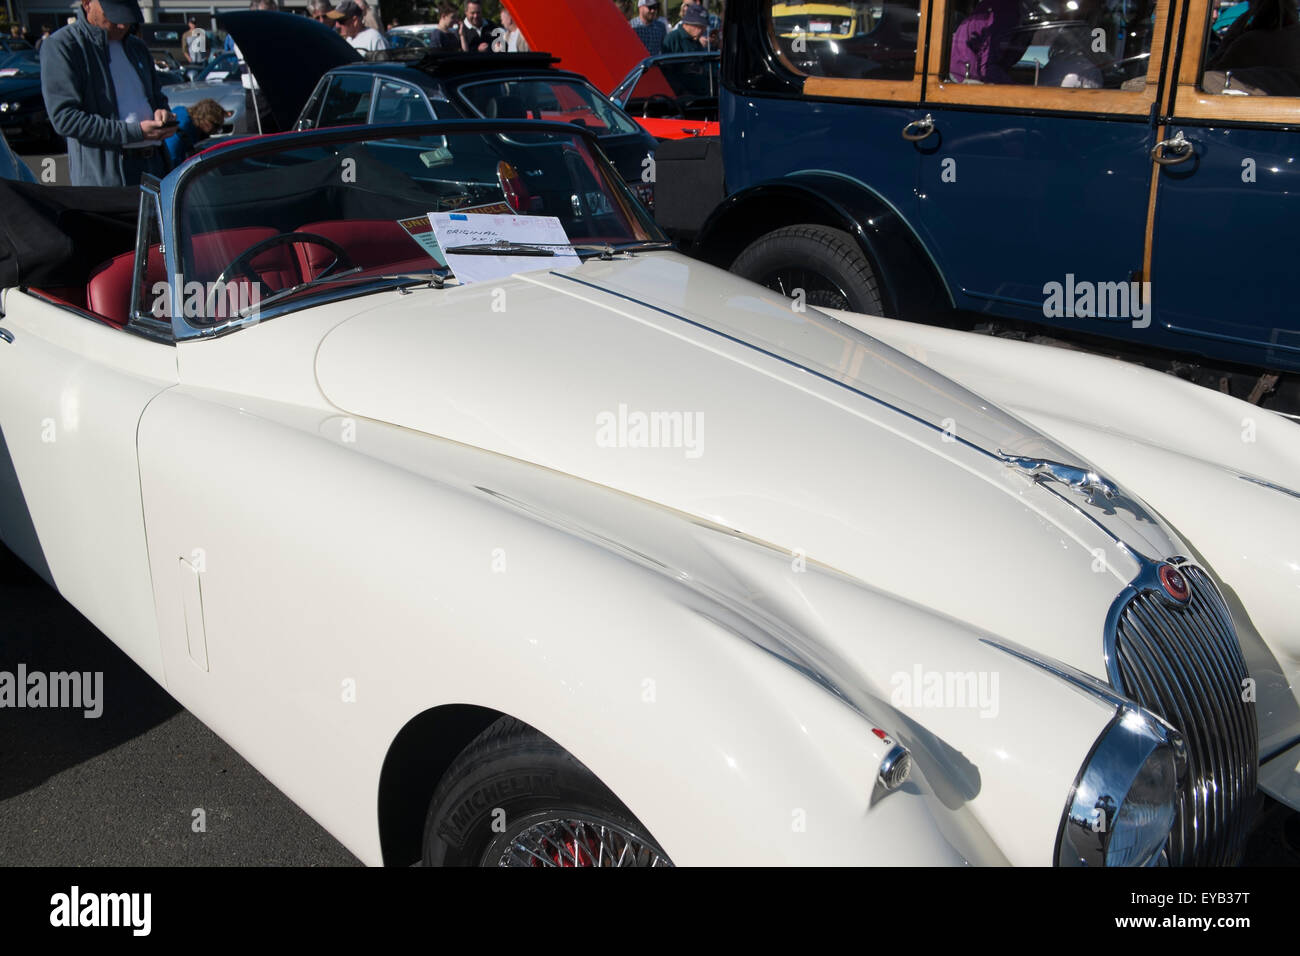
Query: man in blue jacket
103, 94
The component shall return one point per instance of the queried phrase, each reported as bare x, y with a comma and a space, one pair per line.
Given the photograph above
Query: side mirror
303, 124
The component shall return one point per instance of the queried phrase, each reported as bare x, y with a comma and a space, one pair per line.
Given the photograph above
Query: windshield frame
174, 186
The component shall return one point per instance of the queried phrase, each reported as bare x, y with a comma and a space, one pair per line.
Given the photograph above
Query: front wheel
826, 266
514, 797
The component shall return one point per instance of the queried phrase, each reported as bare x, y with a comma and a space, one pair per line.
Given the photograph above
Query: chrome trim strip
948, 436
1085, 682
1269, 484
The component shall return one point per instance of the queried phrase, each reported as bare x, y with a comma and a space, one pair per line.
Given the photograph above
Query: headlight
1123, 802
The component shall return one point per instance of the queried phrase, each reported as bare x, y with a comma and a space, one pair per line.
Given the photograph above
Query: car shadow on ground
43, 633
145, 783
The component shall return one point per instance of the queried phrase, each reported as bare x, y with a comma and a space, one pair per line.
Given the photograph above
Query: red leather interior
370, 243
213, 251
73, 295
108, 293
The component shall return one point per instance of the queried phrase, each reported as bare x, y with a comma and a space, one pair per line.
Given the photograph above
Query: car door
1230, 200
847, 95
72, 391
1033, 146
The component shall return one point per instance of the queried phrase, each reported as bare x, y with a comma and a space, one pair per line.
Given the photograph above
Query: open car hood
590, 37
288, 55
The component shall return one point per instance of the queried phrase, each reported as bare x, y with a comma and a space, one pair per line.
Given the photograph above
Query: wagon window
1072, 44
1252, 49
847, 40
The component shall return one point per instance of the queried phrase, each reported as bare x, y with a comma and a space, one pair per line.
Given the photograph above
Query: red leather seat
108, 292
370, 243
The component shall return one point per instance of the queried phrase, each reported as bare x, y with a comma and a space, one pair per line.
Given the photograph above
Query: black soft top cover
54, 236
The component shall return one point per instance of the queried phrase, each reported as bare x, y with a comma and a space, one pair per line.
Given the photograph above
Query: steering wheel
243, 263
676, 111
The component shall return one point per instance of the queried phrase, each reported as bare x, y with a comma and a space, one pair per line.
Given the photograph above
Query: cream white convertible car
618, 559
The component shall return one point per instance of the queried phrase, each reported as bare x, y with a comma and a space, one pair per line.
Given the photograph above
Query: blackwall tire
827, 264
514, 797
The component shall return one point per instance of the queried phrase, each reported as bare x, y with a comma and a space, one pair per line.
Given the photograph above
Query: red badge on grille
1175, 585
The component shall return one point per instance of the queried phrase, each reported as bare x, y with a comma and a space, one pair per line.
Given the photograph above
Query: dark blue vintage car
1099, 168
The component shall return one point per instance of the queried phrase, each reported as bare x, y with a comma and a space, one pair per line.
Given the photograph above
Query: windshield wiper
294, 290
643, 244
504, 247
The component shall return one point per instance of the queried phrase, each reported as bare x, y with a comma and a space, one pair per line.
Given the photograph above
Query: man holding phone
103, 94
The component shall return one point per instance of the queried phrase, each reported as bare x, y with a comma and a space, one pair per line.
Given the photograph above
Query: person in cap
349, 19
649, 26
692, 34
104, 96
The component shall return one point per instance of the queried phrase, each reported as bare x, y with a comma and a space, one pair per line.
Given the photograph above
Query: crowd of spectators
105, 98
695, 30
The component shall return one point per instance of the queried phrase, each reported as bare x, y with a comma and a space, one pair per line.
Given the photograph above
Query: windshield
547, 98
823, 21
690, 85
219, 69
363, 203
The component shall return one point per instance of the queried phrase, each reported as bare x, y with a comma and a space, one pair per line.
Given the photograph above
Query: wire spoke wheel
569, 841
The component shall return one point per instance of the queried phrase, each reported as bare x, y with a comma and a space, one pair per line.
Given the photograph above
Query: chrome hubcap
564, 840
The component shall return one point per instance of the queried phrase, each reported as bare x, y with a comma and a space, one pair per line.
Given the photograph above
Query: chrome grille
1185, 664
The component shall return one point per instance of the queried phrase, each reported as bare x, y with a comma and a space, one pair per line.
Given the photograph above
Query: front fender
738, 684
725, 692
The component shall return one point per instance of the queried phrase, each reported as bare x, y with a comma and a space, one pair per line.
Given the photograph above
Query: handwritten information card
472, 229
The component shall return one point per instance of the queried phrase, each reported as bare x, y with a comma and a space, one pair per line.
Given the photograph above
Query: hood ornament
1072, 476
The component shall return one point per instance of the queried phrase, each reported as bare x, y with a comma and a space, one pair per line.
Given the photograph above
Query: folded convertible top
55, 235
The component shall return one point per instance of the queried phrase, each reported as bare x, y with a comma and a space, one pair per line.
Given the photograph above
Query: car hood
209, 89
11, 86
288, 54
680, 384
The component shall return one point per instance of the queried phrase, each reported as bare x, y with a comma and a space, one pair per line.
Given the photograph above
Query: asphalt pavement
123, 788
